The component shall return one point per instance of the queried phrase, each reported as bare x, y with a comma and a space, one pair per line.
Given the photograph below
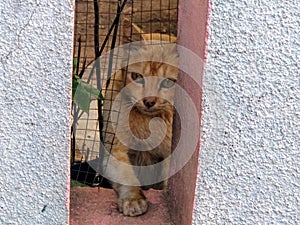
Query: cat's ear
131, 32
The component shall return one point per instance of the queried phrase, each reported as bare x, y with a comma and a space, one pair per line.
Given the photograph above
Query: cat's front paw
132, 207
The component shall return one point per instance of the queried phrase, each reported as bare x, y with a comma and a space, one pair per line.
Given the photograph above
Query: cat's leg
131, 200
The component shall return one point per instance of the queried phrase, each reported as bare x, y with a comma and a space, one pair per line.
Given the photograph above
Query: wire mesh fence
98, 30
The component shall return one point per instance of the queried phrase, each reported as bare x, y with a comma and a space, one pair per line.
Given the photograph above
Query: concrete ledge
99, 207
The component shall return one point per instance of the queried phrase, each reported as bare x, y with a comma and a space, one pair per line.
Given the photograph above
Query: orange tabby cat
148, 96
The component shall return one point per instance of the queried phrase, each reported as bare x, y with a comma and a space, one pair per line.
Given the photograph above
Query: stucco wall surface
249, 169
35, 68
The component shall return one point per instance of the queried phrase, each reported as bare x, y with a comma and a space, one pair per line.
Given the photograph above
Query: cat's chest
144, 126
143, 131
160, 131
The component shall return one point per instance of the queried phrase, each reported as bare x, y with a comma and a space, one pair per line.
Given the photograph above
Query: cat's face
151, 84
151, 70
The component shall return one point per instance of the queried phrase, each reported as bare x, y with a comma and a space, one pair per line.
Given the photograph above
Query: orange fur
153, 99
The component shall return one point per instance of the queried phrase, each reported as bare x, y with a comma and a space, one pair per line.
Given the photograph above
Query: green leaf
75, 63
93, 91
82, 98
82, 92
74, 87
75, 183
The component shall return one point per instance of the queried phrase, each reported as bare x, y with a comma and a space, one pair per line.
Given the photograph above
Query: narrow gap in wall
100, 26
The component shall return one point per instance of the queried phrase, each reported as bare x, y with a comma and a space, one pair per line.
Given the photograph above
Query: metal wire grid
152, 16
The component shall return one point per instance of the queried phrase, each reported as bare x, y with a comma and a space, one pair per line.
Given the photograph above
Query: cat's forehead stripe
151, 68
160, 69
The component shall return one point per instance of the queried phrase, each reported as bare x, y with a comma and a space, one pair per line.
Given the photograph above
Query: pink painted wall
192, 33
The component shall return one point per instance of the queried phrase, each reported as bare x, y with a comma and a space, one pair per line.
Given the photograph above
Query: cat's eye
138, 78
167, 83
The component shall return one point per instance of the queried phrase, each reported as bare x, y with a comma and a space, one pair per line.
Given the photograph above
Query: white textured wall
250, 157
35, 68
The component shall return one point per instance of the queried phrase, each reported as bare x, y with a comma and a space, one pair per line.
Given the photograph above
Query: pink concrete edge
207, 35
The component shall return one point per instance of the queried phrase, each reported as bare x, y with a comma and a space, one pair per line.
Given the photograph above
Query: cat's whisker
128, 105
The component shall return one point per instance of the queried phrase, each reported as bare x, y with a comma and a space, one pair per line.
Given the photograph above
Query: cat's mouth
152, 110
148, 111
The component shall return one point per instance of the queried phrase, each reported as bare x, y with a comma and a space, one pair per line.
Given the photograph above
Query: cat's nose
149, 101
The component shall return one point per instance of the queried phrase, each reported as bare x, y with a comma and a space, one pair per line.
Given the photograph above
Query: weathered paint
192, 34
